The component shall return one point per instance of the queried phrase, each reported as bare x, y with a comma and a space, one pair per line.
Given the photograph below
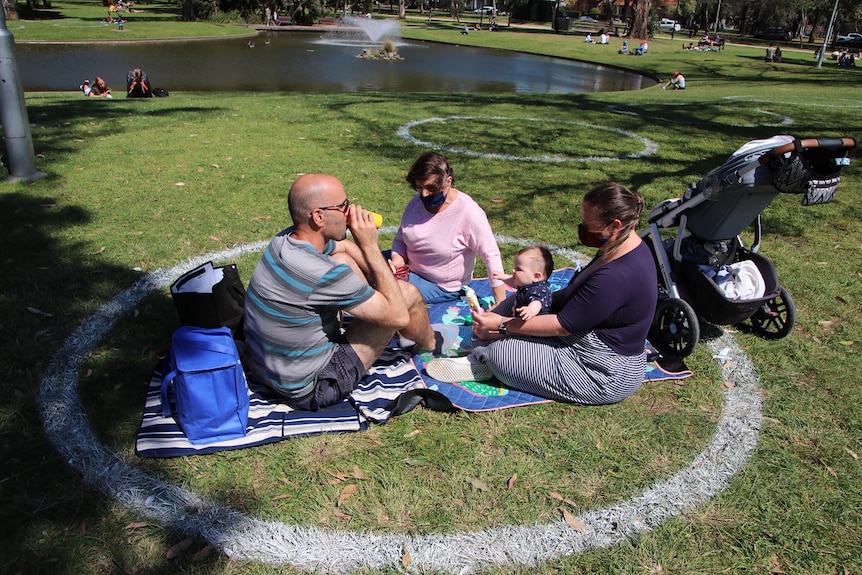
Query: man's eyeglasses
342, 207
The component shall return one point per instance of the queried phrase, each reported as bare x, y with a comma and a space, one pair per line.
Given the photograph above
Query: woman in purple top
442, 231
590, 348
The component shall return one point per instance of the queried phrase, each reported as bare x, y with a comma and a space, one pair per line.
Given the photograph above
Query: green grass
110, 203
85, 21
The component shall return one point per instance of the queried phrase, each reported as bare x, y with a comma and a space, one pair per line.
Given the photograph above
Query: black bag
210, 297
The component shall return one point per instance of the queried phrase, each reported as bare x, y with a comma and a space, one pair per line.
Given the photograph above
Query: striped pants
578, 368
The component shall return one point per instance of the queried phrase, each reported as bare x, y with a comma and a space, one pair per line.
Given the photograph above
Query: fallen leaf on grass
851, 452
179, 548
829, 469
98, 251
279, 497
413, 433
342, 515
561, 499
338, 476
215, 238
180, 184
136, 525
728, 384
345, 494
38, 311
478, 483
406, 560
775, 566
846, 342
358, 473
573, 521
826, 322
511, 483
202, 554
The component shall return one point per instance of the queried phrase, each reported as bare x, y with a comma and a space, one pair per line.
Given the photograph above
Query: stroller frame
710, 218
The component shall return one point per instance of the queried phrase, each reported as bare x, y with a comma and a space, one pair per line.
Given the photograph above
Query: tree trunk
640, 23
402, 9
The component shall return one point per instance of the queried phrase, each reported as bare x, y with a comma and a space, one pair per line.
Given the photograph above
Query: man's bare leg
419, 329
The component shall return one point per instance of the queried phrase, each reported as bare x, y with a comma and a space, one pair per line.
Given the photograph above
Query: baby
533, 267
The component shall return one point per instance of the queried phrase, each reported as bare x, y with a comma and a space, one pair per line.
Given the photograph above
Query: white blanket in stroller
739, 281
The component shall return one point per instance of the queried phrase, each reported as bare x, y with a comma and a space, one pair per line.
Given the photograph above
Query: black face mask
433, 202
590, 239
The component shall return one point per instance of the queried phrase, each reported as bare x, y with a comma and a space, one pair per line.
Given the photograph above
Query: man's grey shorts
336, 380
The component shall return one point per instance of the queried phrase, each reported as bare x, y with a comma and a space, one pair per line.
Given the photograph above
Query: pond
312, 62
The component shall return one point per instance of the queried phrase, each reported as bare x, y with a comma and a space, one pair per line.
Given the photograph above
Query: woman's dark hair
427, 165
612, 201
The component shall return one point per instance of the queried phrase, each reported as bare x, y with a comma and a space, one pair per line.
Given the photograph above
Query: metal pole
828, 34
717, 16
13, 113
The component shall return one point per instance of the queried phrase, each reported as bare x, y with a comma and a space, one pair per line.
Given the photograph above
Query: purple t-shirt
617, 302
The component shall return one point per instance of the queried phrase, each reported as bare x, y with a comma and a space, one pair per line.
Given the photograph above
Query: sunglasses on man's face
342, 207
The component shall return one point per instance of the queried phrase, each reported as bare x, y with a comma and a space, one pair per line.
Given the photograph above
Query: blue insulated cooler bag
206, 381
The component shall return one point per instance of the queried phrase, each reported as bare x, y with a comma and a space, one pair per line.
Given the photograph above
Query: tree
640, 22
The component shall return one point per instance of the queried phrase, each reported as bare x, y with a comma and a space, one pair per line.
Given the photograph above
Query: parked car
486, 10
775, 34
588, 19
849, 37
668, 25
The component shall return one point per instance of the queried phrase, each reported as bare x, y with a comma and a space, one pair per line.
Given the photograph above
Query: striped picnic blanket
270, 421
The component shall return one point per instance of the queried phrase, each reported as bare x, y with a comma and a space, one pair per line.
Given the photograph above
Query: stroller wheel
675, 328
775, 318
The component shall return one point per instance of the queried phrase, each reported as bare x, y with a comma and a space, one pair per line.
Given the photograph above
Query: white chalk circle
781, 119
649, 147
321, 550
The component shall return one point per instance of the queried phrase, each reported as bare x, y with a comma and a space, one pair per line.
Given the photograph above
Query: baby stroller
705, 270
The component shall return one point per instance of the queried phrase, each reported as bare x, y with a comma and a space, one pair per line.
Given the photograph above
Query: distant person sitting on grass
588, 38
641, 49
625, 47
677, 82
138, 85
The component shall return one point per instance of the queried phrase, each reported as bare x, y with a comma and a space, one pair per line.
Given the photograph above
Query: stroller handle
799, 145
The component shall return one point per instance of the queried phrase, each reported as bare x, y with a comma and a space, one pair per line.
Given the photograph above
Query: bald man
306, 276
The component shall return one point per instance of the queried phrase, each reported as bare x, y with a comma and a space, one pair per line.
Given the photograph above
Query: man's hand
361, 224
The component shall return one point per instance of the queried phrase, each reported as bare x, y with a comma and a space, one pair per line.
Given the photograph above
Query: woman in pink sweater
441, 233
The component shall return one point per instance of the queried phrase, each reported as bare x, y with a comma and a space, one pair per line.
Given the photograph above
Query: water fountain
364, 32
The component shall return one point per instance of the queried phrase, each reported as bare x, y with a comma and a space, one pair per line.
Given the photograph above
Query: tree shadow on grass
52, 283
